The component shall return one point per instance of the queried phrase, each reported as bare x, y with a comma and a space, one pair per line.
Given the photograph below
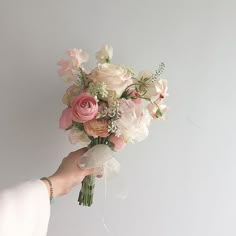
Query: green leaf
159, 113
78, 125
69, 127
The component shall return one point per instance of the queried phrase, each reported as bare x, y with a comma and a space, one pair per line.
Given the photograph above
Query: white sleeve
25, 210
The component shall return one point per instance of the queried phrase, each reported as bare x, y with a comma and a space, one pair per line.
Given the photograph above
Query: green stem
88, 184
87, 190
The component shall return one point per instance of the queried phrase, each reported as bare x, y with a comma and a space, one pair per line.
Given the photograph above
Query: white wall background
181, 180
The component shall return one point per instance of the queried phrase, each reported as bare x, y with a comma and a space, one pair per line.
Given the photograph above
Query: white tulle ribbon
100, 156
111, 168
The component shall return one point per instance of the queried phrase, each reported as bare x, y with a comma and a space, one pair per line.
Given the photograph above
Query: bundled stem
87, 190
88, 184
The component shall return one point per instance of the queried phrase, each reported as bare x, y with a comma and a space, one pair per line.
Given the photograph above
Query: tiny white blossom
98, 90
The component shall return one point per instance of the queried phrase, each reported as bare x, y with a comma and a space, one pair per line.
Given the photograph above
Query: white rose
115, 77
104, 54
78, 136
134, 121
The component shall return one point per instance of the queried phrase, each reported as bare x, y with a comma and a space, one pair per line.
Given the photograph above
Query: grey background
178, 182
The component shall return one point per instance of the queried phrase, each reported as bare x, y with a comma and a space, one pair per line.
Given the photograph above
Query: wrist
59, 186
54, 186
47, 186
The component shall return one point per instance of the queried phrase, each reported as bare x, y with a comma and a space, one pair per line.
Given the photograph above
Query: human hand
69, 174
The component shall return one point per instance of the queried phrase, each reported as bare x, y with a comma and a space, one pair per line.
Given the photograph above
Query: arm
25, 209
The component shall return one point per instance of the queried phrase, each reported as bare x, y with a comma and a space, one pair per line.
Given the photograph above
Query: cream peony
134, 121
116, 77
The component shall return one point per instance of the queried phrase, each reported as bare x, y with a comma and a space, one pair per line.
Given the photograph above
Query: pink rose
65, 119
96, 128
84, 108
118, 142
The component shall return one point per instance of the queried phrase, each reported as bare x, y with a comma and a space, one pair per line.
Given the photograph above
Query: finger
79, 152
94, 171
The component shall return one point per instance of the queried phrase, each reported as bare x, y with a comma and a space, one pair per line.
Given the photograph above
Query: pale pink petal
65, 119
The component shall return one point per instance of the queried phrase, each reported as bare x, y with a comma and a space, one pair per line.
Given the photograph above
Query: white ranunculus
115, 77
134, 121
78, 136
104, 54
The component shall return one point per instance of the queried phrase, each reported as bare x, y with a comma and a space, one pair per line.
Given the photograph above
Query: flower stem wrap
99, 152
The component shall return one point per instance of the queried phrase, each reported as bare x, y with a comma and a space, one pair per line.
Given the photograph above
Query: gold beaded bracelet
52, 200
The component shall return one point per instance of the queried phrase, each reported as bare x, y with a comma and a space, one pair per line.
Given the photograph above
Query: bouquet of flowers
107, 108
